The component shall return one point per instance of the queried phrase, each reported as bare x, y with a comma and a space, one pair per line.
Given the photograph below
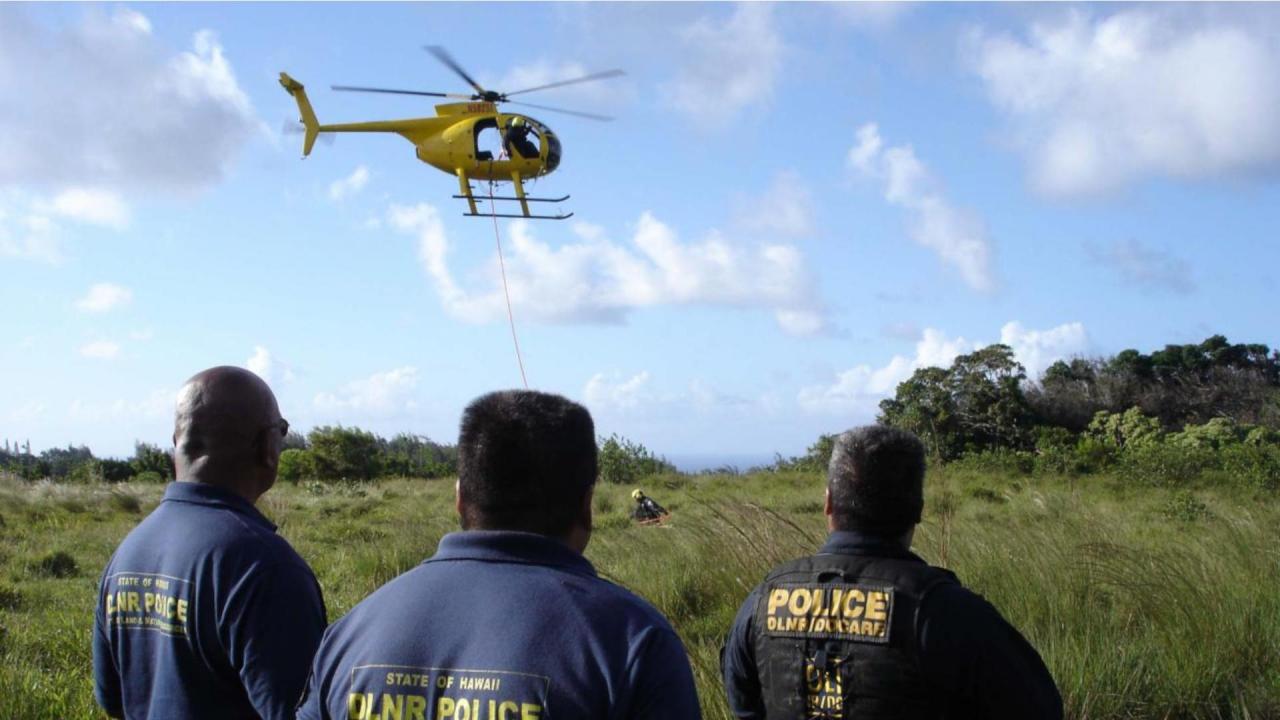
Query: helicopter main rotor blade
355, 88
589, 116
562, 83
443, 56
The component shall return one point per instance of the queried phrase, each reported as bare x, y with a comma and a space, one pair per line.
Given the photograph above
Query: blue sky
797, 206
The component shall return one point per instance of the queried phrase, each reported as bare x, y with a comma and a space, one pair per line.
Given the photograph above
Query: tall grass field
1145, 602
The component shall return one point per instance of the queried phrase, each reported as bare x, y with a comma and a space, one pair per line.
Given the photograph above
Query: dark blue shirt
979, 665
204, 612
501, 626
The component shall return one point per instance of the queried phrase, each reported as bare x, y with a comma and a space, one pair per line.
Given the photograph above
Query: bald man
204, 611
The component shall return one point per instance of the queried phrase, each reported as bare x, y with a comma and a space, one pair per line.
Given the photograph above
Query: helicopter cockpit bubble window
524, 137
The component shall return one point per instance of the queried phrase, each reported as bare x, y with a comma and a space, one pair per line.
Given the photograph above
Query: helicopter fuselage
450, 141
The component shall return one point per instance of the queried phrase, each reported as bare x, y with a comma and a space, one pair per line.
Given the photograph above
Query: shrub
296, 465
1093, 455
344, 453
1262, 436
150, 458
1165, 464
1185, 507
126, 502
89, 471
1127, 429
114, 471
1000, 460
58, 564
149, 476
1255, 465
1215, 434
624, 462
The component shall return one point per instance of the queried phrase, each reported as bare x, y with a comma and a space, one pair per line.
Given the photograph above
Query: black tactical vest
834, 638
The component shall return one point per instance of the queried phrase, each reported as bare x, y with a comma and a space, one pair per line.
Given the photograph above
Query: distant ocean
696, 462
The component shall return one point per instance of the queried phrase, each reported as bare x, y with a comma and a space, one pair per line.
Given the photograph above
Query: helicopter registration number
481, 107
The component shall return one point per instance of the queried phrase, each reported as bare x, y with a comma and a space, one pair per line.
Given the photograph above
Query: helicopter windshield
526, 140
548, 139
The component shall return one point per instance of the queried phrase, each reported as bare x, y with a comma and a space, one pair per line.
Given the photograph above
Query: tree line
1179, 412
327, 453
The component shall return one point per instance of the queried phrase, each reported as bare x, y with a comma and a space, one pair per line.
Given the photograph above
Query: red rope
497, 239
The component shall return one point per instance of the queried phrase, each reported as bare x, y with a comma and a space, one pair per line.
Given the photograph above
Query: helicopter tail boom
309, 121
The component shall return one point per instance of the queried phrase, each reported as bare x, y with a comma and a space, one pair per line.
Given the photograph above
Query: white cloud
600, 281
349, 185
786, 208
92, 206
610, 392
104, 297
26, 233
266, 366
260, 362
957, 236
858, 390
1038, 349
104, 103
729, 66
157, 405
1098, 102
870, 15
100, 350
1145, 267
381, 394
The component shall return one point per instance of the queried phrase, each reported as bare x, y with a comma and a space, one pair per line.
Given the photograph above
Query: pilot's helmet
637, 494
516, 122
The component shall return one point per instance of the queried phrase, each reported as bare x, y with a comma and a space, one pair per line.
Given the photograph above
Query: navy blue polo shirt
975, 660
501, 626
204, 612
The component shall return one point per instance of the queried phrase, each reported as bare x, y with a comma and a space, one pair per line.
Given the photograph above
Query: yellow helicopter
451, 140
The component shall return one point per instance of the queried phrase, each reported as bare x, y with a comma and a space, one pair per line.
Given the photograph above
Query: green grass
1145, 602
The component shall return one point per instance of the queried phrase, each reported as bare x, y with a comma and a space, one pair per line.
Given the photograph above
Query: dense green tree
986, 389
625, 462
344, 453
296, 465
416, 456
924, 405
151, 458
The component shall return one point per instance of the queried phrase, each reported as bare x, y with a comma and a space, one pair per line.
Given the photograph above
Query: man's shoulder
629, 604
208, 534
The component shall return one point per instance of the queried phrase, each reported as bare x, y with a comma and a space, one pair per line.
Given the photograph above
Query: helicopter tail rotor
311, 126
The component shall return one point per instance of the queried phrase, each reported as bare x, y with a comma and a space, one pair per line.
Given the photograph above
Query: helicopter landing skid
565, 216
475, 212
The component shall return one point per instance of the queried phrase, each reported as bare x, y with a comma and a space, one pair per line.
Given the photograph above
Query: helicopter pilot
518, 139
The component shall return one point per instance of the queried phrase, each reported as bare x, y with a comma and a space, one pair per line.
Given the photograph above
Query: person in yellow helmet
646, 509
518, 143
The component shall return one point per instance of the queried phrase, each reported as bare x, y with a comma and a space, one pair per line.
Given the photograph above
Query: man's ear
457, 501
586, 512
268, 454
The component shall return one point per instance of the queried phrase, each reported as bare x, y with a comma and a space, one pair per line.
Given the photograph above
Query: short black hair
526, 461
876, 479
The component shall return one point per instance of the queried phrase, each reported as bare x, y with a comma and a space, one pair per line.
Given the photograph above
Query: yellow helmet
516, 122
637, 494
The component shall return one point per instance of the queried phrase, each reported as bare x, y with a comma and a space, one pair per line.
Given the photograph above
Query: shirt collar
512, 547
857, 542
212, 496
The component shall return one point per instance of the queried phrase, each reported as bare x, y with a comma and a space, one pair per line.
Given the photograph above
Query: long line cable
511, 318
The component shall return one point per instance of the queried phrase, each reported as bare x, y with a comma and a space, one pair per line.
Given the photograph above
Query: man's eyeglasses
283, 425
